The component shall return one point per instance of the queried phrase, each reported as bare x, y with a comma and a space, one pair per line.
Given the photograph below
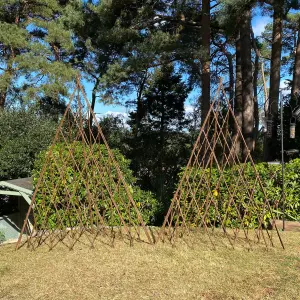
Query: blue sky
258, 22
101, 108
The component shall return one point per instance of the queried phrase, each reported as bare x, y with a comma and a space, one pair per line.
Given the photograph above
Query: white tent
14, 202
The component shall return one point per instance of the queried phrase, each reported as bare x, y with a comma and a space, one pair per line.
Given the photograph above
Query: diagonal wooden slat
195, 205
65, 214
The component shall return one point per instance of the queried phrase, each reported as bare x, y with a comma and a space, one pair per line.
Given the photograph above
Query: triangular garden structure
220, 193
81, 194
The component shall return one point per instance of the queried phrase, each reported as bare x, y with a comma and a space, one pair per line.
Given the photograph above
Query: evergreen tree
34, 50
27, 132
158, 147
108, 34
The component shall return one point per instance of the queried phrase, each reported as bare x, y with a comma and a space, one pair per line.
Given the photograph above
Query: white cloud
188, 109
122, 115
116, 114
259, 24
284, 86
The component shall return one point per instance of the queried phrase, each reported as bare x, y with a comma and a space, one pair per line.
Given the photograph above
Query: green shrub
272, 181
66, 176
292, 190
234, 190
2, 237
23, 134
230, 204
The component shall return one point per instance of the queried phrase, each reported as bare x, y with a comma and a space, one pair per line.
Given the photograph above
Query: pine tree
280, 9
235, 17
293, 24
158, 146
35, 48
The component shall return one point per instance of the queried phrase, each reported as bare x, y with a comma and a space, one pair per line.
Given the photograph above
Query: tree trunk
231, 78
271, 143
296, 73
238, 100
94, 95
231, 83
231, 74
162, 148
255, 86
256, 111
2, 100
205, 31
139, 105
247, 83
8, 74
93, 103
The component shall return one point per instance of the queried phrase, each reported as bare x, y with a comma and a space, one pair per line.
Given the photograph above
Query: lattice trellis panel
81, 193
221, 193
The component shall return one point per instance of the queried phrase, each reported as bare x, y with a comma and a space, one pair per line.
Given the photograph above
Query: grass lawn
191, 270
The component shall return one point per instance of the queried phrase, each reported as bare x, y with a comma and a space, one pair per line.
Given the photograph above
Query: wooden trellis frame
198, 195
83, 215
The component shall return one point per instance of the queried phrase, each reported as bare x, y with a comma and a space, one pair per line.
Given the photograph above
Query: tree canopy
162, 60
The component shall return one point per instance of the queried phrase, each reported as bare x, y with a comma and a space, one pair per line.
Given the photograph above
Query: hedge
62, 176
231, 186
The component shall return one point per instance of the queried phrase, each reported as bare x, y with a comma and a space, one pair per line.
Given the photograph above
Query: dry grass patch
190, 270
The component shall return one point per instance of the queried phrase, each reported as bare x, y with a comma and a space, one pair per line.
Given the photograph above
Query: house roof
25, 183
17, 187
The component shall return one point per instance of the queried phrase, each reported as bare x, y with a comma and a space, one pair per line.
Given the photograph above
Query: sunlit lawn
190, 270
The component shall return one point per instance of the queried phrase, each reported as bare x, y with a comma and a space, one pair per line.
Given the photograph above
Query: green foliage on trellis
68, 181
229, 194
